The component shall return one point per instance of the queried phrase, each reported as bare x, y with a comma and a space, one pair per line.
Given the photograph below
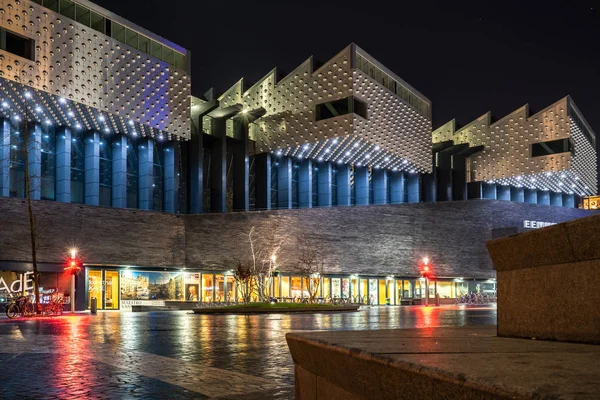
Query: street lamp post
425, 273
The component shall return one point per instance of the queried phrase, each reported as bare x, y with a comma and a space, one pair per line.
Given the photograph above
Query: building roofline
109, 14
390, 73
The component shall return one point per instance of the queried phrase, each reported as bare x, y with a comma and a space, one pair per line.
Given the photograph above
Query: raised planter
278, 309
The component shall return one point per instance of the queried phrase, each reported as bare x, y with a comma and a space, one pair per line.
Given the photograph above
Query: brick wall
103, 235
379, 240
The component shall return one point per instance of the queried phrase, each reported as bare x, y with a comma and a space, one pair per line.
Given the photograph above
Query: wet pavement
180, 355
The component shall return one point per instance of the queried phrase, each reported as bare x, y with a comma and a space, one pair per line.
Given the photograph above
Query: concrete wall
378, 240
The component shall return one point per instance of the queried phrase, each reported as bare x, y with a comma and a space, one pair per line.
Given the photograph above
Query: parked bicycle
19, 306
55, 306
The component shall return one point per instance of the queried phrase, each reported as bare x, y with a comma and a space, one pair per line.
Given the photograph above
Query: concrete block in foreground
548, 282
440, 363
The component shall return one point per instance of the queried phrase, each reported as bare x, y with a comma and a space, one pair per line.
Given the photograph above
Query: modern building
143, 177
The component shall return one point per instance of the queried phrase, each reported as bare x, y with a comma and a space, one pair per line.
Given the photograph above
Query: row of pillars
403, 188
92, 168
522, 195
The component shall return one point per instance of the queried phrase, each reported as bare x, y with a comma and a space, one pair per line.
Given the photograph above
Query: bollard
387, 301
437, 299
94, 305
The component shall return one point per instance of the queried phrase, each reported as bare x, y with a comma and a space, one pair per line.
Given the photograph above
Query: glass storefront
117, 289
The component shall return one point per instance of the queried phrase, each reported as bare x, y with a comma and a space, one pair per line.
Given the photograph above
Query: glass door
111, 290
104, 286
95, 287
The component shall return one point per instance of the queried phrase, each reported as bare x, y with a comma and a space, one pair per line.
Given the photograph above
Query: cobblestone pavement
179, 355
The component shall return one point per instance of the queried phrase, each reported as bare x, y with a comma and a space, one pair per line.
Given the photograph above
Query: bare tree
261, 248
243, 280
30, 179
310, 265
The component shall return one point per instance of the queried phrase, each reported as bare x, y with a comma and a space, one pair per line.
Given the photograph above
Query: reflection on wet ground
183, 355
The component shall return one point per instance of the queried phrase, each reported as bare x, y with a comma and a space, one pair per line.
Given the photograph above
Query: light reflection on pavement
182, 355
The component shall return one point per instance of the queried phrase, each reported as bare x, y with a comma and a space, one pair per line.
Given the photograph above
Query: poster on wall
345, 288
141, 285
335, 287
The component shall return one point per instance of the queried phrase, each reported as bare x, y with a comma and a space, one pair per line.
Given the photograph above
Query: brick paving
178, 355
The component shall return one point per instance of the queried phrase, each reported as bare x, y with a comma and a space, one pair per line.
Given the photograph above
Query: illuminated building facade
100, 112
546, 158
101, 103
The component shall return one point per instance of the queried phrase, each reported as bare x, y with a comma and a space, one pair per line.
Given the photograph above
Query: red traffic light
73, 265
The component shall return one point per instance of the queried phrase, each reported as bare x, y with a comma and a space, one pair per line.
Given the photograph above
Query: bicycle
20, 306
55, 306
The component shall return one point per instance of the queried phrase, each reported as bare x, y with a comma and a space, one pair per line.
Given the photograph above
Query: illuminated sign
23, 283
536, 224
591, 203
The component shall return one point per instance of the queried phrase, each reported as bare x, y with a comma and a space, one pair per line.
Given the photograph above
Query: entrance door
104, 286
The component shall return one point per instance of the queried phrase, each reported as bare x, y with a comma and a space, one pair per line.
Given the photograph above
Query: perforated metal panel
393, 136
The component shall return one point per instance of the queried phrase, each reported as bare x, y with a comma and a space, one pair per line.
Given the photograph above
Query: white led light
62, 100
38, 109
4, 104
101, 118
27, 95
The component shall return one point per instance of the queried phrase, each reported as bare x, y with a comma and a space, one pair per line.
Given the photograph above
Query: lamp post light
425, 272
73, 267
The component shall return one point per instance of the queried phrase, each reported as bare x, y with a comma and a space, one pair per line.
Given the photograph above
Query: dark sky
467, 57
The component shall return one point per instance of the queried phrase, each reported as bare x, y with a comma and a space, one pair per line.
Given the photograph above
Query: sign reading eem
536, 224
23, 283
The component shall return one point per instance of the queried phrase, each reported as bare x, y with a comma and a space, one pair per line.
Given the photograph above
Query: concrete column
146, 172
429, 188
490, 191
305, 184
556, 199
4, 157
361, 183
262, 170
284, 183
169, 178
196, 168
63, 164
543, 197
218, 167
91, 191
474, 191
344, 190
530, 196
34, 147
503, 192
380, 186
119, 171
325, 183
397, 188
568, 200
241, 168
413, 188
517, 194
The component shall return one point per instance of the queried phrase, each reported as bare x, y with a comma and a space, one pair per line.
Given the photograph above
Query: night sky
466, 57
